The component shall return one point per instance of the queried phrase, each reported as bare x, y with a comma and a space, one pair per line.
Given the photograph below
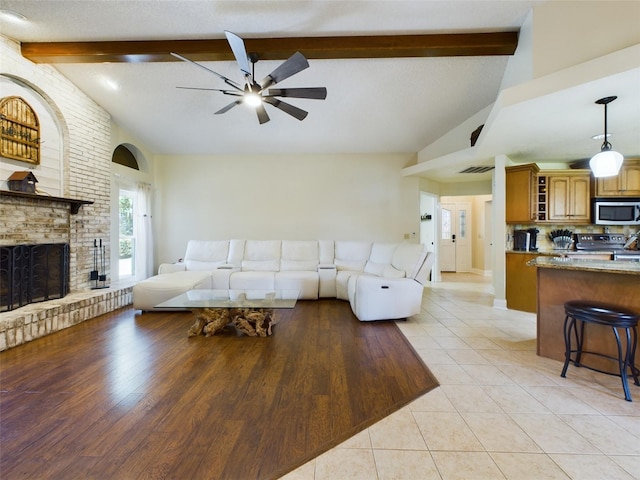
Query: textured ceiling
373, 105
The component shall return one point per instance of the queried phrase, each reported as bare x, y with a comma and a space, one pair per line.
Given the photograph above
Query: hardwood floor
129, 396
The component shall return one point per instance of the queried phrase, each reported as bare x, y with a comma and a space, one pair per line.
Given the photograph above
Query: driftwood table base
253, 322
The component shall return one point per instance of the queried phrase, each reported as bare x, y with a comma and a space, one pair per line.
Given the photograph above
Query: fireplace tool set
99, 265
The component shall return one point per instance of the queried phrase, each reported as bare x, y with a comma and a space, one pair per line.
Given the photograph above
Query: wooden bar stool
585, 311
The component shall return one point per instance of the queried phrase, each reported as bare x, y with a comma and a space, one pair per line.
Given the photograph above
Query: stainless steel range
613, 242
600, 241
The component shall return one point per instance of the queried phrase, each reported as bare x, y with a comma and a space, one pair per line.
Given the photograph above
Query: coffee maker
525, 240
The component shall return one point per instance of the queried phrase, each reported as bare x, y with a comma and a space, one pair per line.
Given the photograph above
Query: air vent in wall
477, 169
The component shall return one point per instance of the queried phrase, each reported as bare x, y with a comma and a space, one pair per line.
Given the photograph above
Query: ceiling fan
257, 94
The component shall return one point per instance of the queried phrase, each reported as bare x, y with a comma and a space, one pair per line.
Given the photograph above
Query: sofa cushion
262, 250
382, 252
299, 255
305, 282
409, 257
260, 266
207, 250
261, 256
352, 256
252, 280
299, 265
383, 270
154, 290
197, 266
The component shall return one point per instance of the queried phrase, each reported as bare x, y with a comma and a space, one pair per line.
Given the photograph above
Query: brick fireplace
75, 166
42, 221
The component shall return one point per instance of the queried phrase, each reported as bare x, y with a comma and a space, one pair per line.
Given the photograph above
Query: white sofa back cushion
383, 270
206, 254
299, 255
351, 255
409, 257
261, 255
379, 262
236, 252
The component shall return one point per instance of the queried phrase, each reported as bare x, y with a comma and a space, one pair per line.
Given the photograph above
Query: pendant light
607, 163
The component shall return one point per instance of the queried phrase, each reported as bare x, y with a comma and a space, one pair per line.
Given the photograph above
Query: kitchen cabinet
521, 185
625, 184
521, 280
569, 196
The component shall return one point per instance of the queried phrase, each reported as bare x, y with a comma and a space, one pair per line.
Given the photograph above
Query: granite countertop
563, 252
568, 263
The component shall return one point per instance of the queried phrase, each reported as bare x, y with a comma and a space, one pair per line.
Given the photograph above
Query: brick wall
84, 173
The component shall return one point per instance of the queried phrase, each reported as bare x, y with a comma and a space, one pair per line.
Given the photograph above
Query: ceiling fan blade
226, 92
239, 51
317, 93
228, 107
287, 108
225, 79
294, 64
262, 114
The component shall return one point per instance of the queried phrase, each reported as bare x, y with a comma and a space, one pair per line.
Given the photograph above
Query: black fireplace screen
33, 273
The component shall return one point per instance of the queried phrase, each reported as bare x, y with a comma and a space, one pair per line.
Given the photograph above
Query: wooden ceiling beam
378, 46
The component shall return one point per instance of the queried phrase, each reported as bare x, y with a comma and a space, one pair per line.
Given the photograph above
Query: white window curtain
144, 233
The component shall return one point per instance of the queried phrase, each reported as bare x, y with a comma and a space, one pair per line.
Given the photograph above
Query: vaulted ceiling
397, 80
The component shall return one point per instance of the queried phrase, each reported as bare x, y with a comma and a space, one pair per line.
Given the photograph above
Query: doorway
455, 237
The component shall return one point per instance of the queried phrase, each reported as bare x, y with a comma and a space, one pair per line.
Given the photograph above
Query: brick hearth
39, 319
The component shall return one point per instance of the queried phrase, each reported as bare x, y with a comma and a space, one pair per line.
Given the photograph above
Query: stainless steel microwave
616, 211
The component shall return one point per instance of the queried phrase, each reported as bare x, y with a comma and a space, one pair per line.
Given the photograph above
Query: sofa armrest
171, 268
327, 280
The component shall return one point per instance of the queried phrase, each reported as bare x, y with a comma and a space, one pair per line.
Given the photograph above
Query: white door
455, 237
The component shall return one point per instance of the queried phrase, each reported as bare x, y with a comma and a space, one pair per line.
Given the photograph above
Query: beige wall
351, 197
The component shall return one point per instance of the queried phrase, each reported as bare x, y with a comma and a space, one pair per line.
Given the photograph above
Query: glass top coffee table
249, 311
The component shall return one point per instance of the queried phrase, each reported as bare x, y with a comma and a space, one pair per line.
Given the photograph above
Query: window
127, 229
446, 224
123, 156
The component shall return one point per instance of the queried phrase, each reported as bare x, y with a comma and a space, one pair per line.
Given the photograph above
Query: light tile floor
501, 412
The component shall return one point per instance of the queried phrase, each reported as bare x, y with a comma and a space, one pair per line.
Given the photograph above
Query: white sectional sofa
380, 280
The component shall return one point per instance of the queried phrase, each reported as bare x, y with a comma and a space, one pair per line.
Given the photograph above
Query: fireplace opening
33, 273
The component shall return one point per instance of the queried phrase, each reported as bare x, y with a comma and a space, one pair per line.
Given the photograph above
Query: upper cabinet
569, 196
521, 187
551, 196
625, 184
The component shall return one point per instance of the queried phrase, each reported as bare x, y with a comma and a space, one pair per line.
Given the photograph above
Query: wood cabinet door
580, 199
569, 198
558, 188
521, 291
625, 184
519, 195
631, 179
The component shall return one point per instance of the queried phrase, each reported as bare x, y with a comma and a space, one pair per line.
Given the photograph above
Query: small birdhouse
23, 182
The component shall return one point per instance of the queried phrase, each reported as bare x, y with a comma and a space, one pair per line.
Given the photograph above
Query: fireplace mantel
74, 204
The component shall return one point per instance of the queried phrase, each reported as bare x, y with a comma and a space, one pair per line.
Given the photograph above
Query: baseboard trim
501, 304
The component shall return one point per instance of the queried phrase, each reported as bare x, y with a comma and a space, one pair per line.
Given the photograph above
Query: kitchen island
560, 279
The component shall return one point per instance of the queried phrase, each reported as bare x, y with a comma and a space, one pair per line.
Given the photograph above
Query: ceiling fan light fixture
607, 163
252, 99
